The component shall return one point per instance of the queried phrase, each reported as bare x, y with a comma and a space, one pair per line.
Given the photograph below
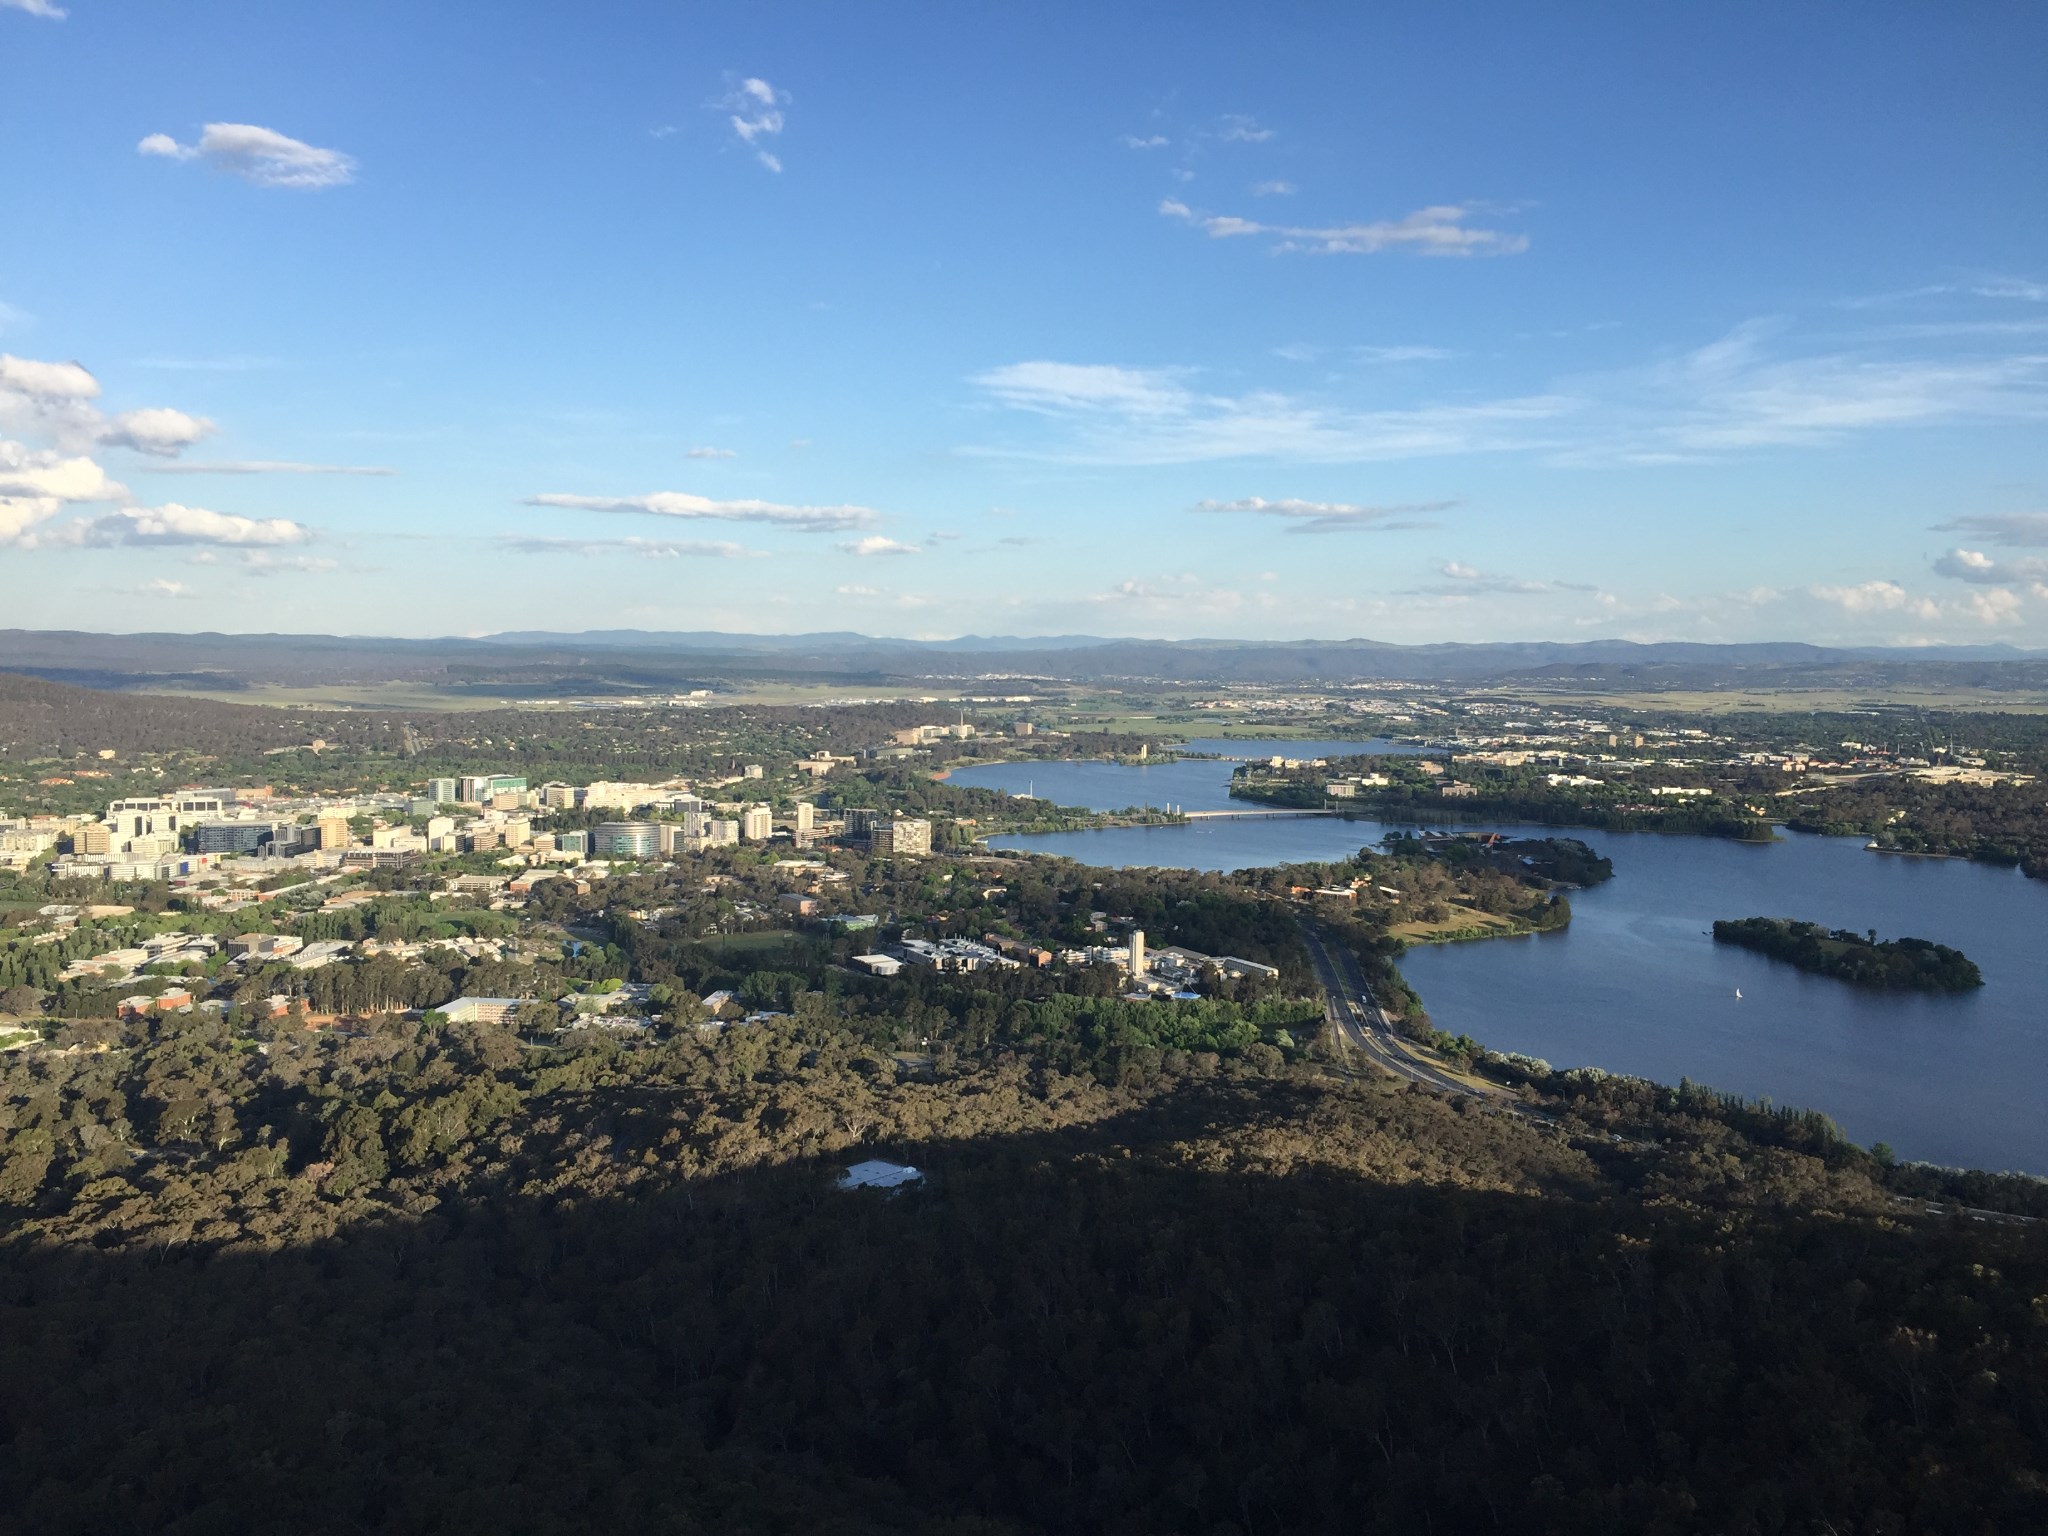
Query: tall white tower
1137, 953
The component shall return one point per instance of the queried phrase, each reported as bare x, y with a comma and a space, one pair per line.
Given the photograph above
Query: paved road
1359, 1023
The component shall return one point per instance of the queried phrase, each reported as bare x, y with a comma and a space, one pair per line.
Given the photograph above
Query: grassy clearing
1460, 921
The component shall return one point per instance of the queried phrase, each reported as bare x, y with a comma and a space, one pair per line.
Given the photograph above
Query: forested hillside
430, 1280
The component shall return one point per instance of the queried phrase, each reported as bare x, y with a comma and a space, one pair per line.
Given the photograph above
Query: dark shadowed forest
429, 1279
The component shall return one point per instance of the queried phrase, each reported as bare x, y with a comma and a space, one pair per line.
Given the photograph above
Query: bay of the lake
1636, 984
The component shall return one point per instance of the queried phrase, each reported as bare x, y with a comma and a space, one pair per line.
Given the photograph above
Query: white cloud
1878, 597
1275, 189
754, 108
1146, 141
175, 524
163, 586
857, 591
55, 400
47, 381
1239, 128
1439, 230
710, 453
683, 505
1981, 570
266, 467
158, 430
875, 544
1332, 516
261, 155
2024, 530
44, 475
1176, 595
651, 549
41, 8
21, 514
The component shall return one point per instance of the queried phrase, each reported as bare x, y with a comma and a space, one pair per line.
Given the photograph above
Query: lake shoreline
1633, 985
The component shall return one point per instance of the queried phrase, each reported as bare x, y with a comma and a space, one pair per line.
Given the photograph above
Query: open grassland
1792, 701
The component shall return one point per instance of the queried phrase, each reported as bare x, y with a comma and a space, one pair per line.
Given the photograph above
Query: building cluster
177, 835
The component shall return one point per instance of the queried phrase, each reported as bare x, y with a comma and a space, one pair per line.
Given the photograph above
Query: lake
1637, 985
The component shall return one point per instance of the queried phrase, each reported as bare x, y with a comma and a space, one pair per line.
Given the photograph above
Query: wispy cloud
1986, 286
1736, 393
754, 109
1144, 141
1239, 128
652, 549
41, 8
1123, 415
2021, 530
875, 544
267, 562
1440, 230
236, 363
1275, 189
260, 155
681, 504
710, 453
1333, 516
1462, 580
163, 586
266, 467
1403, 354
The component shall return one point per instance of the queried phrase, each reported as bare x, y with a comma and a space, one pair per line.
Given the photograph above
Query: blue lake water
1637, 985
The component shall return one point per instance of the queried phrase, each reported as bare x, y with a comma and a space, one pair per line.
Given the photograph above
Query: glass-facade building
625, 840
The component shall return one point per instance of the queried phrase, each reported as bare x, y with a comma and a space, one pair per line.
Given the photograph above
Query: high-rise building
900, 836
757, 824
1137, 953
720, 833
806, 816
442, 791
334, 831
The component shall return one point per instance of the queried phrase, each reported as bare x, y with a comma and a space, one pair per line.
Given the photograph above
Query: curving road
1359, 1023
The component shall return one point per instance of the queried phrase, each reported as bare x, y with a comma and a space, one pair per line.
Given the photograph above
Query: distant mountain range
541, 664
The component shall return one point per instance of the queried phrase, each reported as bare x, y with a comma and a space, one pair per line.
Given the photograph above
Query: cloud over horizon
1333, 516
681, 504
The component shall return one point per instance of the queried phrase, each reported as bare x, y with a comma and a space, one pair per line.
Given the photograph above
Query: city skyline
922, 323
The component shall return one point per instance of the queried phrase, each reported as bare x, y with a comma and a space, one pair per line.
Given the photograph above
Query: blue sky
1509, 322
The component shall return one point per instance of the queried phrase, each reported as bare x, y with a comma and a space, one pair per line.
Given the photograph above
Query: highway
1358, 1022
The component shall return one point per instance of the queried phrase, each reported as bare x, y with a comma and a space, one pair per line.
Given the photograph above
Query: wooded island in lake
1894, 965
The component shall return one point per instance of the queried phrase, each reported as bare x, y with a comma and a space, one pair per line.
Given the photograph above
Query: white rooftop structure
876, 1174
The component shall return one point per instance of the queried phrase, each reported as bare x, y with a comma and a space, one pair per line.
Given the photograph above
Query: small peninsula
1894, 965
